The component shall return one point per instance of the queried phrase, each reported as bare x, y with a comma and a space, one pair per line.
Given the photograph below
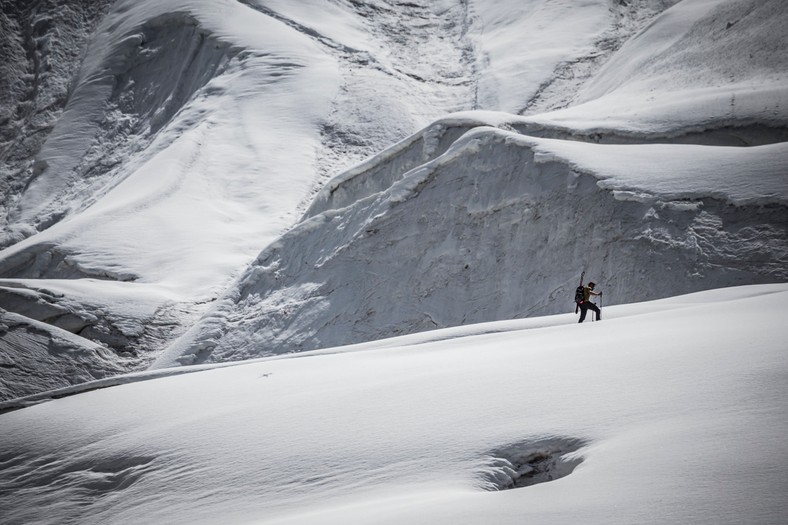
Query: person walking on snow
586, 304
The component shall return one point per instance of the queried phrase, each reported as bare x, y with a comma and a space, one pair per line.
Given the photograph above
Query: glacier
187, 137
382, 209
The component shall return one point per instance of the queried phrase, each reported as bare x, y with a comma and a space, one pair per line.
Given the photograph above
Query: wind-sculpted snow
668, 411
185, 136
532, 461
41, 45
137, 78
499, 227
381, 171
150, 149
713, 71
36, 356
126, 319
168, 142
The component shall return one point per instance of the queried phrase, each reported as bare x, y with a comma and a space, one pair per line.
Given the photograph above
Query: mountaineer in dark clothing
586, 305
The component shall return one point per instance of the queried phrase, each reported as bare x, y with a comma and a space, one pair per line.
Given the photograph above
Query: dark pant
585, 307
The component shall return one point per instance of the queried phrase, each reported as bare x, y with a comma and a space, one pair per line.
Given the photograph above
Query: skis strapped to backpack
579, 295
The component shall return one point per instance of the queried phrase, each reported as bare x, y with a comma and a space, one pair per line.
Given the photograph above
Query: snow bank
385, 168
128, 318
677, 408
739, 176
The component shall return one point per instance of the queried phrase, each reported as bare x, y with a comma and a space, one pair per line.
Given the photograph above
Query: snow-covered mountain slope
453, 226
165, 143
668, 411
705, 71
194, 134
41, 45
39, 348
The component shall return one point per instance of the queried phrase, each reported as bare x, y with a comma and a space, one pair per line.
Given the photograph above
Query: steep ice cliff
500, 227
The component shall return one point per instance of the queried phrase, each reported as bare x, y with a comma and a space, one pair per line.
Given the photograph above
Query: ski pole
599, 308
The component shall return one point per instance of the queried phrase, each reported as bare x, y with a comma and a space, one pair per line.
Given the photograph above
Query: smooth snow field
670, 411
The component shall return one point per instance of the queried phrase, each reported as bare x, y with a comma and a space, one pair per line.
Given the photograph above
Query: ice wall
498, 227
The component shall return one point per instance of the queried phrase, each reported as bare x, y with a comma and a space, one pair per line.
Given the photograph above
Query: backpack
579, 295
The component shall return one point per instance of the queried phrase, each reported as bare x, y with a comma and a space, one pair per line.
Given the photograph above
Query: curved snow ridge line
35, 356
739, 176
701, 63
134, 377
130, 319
382, 170
717, 132
407, 185
362, 55
40, 255
721, 130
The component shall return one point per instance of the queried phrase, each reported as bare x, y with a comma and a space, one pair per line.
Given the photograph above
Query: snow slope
157, 146
150, 149
161, 158
668, 411
462, 223
709, 71
193, 136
